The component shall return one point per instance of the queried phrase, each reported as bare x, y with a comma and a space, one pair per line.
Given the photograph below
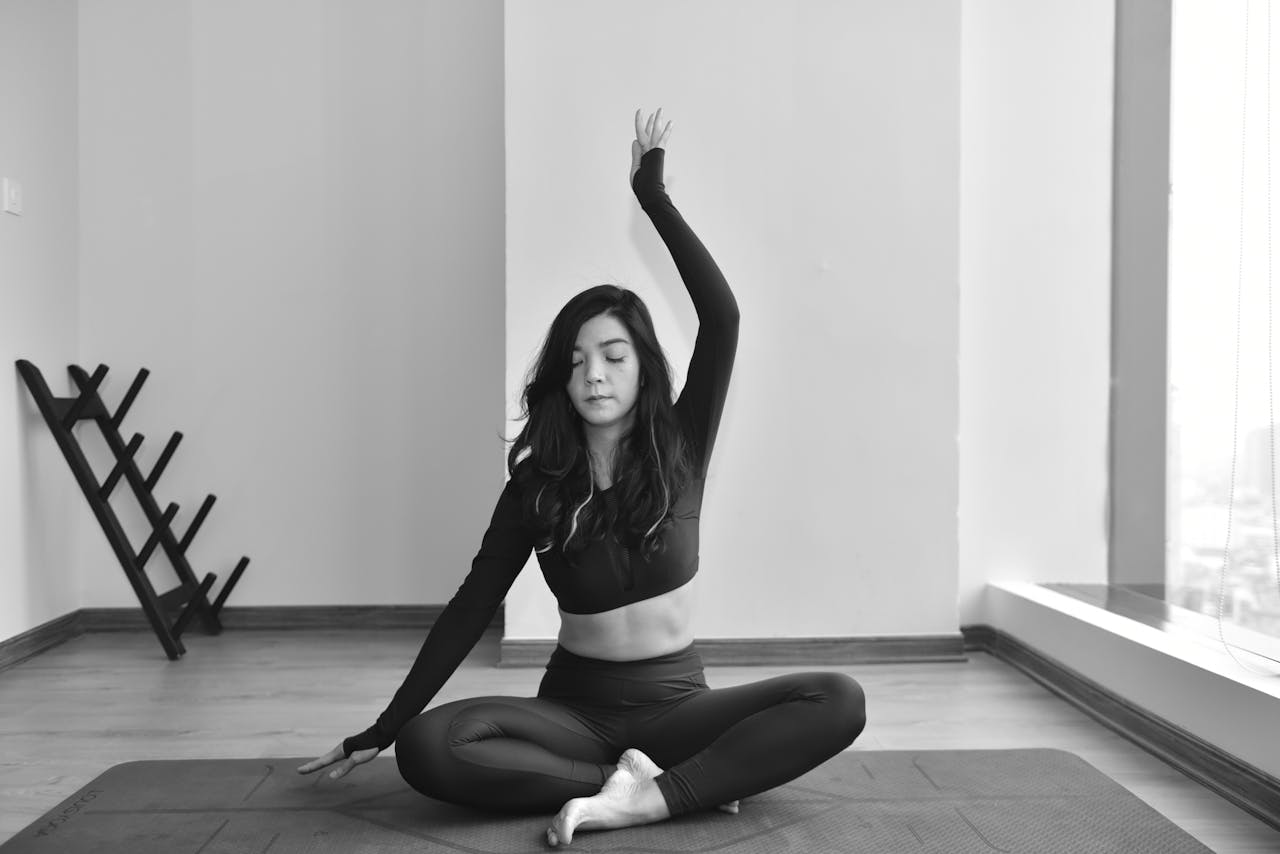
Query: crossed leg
728, 743
514, 754
722, 744
538, 755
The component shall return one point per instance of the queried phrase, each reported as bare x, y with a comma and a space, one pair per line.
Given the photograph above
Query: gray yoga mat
952, 801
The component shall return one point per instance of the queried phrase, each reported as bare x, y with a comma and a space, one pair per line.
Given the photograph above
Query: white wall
274, 221
1035, 283
816, 152
39, 502
292, 214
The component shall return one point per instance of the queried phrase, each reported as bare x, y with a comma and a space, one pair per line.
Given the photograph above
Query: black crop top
606, 575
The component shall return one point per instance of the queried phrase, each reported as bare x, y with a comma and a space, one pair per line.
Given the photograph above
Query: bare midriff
645, 629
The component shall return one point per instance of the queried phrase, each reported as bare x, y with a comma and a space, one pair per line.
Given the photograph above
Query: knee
847, 703
427, 750
422, 755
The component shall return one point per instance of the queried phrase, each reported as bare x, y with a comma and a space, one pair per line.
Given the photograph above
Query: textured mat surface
945, 801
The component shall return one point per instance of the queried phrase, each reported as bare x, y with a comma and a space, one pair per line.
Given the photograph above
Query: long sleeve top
605, 575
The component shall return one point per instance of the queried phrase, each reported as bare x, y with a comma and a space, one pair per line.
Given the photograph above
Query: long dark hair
549, 459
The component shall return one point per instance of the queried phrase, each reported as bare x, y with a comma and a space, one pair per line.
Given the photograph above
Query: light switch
12, 192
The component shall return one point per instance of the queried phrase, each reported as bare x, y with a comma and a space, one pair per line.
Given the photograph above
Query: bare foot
644, 768
628, 798
639, 764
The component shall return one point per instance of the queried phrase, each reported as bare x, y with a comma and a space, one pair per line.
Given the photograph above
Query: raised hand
650, 133
345, 764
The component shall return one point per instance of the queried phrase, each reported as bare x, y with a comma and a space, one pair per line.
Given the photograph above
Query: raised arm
504, 549
707, 380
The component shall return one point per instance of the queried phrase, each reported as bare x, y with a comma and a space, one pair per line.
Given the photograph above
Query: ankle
651, 801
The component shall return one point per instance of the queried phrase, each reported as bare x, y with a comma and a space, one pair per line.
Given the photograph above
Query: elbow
729, 320
726, 332
725, 316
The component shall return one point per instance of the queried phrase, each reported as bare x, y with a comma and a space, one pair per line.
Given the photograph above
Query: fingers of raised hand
660, 131
651, 132
666, 134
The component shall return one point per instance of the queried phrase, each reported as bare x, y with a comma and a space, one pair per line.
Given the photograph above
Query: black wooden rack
190, 599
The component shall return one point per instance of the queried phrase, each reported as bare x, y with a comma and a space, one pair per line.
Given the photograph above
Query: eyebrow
607, 343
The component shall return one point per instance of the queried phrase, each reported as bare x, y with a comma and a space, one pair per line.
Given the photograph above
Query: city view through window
1220, 274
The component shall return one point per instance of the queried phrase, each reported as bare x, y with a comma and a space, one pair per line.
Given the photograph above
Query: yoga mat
945, 801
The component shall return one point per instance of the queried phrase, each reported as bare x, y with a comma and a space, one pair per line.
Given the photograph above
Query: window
1220, 237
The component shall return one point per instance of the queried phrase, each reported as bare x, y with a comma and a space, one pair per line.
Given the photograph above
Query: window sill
1187, 680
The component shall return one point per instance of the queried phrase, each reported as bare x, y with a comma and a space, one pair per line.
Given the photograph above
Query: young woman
606, 487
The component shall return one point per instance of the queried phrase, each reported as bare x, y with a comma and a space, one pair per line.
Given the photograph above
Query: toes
555, 838
731, 808
561, 830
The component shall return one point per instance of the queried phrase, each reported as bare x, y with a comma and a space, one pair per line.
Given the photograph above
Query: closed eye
607, 359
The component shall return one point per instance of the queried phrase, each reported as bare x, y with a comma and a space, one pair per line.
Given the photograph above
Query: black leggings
533, 754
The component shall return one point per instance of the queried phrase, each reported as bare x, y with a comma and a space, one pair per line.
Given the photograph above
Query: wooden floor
69, 714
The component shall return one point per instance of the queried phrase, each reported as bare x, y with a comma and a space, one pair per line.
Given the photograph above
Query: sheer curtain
1223, 346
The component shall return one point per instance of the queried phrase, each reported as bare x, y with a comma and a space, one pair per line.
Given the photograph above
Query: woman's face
605, 380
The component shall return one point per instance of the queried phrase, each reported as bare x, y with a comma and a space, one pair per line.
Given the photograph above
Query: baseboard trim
338, 617
1244, 785
35, 641
282, 617
514, 653
782, 651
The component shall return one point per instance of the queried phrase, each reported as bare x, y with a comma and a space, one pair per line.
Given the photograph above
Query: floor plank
70, 713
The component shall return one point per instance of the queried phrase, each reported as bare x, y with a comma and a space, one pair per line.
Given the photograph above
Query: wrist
362, 741
648, 178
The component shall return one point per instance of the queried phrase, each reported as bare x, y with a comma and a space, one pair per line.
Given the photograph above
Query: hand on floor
345, 763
